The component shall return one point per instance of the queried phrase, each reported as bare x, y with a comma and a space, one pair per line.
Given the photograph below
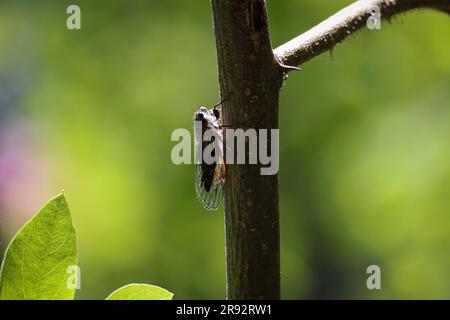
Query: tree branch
251, 77
335, 29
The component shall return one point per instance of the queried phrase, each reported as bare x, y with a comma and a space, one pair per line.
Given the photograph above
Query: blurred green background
365, 152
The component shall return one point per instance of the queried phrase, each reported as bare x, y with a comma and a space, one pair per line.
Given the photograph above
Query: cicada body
210, 173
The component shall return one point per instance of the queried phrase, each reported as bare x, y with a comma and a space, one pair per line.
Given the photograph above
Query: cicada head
201, 114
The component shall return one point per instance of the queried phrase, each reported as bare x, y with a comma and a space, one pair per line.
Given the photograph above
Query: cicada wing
209, 186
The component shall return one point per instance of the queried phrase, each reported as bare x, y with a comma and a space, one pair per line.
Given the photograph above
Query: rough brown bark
251, 77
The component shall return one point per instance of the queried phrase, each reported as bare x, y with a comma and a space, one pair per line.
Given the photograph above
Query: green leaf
39, 260
140, 292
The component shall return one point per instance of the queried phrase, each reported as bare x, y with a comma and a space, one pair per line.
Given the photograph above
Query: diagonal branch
335, 29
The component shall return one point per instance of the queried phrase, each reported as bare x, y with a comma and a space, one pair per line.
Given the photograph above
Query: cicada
209, 175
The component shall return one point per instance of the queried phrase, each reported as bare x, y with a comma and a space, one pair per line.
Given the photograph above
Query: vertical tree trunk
251, 77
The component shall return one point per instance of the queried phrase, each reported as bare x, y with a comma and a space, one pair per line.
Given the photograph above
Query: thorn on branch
288, 68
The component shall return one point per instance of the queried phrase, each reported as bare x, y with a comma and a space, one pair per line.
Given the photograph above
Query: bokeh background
365, 152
